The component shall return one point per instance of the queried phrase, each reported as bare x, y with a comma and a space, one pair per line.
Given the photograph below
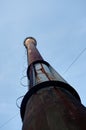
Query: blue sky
59, 27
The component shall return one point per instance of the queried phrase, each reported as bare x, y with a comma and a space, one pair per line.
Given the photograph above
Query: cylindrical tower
50, 103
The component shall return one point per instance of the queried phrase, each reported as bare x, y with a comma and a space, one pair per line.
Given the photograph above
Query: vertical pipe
51, 103
32, 53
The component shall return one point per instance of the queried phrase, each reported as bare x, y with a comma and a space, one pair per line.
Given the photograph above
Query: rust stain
73, 110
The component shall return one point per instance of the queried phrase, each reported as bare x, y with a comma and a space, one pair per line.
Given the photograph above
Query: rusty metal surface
38, 72
32, 52
53, 109
65, 87
51, 103
41, 72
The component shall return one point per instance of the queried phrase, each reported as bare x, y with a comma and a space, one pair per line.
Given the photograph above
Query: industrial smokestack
50, 103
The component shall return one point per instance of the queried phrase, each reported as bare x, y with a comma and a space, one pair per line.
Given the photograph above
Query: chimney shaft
33, 54
50, 103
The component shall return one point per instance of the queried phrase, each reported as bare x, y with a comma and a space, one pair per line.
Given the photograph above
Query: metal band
46, 84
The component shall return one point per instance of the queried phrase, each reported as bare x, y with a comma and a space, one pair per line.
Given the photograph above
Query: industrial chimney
50, 103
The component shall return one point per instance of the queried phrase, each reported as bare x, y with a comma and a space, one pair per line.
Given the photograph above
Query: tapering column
33, 54
50, 103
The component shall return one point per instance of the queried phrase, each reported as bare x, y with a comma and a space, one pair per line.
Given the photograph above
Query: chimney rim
27, 41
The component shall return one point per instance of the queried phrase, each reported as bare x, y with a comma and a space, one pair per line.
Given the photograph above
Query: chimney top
29, 40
